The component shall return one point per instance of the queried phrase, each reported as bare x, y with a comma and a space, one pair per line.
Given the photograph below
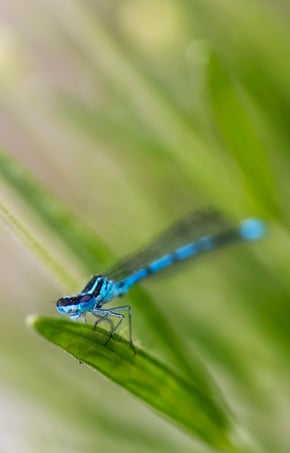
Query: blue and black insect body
197, 234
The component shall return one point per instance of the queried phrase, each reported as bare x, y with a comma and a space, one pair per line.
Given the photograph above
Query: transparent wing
194, 226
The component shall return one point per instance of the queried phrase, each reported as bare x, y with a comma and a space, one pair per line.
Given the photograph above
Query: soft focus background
133, 113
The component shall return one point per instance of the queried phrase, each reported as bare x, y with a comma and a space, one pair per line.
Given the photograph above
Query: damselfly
196, 234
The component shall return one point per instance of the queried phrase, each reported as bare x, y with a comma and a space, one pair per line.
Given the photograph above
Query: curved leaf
142, 375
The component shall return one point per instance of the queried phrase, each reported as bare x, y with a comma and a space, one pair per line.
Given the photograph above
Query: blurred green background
131, 114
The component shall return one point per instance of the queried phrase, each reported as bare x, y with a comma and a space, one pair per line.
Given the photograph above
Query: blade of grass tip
89, 250
143, 376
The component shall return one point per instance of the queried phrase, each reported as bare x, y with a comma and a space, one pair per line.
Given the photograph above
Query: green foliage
182, 400
147, 110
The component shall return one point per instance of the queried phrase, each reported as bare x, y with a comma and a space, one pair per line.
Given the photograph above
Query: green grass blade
241, 138
142, 375
15, 225
80, 239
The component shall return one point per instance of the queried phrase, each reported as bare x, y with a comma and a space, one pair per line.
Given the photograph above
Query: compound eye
64, 301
